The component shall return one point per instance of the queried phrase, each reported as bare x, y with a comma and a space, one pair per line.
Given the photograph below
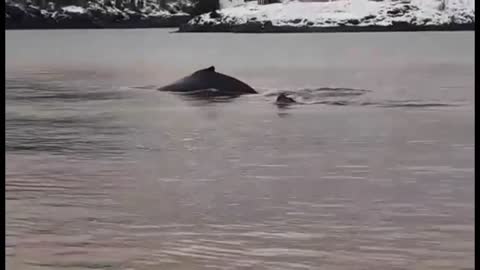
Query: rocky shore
268, 27
250, 17
337, 16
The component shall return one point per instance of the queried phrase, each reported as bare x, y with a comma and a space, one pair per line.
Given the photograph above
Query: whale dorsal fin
208, 70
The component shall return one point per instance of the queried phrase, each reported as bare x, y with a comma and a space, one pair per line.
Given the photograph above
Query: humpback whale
209, 79
283, 99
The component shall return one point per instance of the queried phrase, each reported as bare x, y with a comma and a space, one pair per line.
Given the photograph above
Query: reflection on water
104, 173
205, 97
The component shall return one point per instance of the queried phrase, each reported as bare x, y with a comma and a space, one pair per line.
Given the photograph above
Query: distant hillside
341, 15
40, 14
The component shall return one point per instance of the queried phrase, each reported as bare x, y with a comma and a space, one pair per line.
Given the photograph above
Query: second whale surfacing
210, 81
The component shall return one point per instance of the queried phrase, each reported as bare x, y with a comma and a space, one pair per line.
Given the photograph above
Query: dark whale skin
209, 79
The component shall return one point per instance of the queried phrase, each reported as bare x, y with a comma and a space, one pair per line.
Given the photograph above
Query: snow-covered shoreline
338, 16
94, 16
237, 16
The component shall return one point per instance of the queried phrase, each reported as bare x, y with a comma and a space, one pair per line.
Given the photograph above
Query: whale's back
209, 79
226, 83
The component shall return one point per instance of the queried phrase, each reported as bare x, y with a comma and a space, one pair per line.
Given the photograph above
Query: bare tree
162, 3
133, 4
443, 5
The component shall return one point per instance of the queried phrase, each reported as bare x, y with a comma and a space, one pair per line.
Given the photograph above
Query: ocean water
373, 169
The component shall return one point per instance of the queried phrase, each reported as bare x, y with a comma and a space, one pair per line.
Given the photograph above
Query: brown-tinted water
375, 170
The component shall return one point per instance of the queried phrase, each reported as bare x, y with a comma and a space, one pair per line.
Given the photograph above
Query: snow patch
230, 3
73, 9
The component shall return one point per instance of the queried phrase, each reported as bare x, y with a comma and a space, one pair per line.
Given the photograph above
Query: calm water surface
374, 171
